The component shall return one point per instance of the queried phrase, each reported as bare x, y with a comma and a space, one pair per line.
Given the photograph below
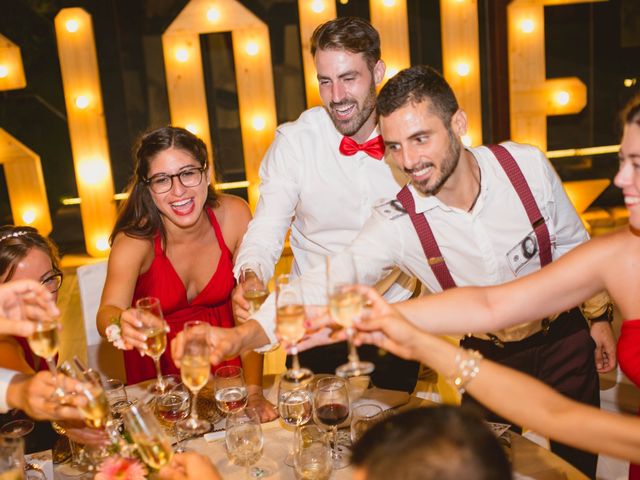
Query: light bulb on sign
92, 171
192, 128
252, 48
562, 98
72, 26
463, 69
466, 140
317, 6
182, 55
102, 244
213, 14
344, 2
82, 102
258, 123
527, 25
4, 71
28, 216
388, 3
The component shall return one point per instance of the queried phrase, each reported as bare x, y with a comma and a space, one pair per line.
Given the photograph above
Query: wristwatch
607, 316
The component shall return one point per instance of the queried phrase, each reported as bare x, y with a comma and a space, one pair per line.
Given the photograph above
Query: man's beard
350, 127
447, 167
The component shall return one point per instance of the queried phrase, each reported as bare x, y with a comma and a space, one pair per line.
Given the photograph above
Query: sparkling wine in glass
194, 370
346, 306
243, 438
312, 457
231, 391
290, 319
331, 408
253, 286
155, 329
295, 405
147, 434
44, 342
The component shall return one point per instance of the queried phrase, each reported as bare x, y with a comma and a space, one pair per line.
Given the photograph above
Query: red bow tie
373, 147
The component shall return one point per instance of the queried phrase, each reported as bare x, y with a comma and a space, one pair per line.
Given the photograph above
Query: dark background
599, 43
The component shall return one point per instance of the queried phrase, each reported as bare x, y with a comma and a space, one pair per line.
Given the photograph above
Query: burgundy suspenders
428, 241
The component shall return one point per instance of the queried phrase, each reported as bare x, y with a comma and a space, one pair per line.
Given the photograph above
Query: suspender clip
495, 340
538, 222
435, 260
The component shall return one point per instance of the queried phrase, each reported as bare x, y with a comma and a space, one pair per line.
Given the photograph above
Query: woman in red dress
174, 239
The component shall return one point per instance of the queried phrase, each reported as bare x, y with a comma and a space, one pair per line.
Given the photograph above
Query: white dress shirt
5, 379
481, 247
324, 196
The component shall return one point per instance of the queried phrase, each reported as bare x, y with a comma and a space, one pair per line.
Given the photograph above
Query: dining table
529, 460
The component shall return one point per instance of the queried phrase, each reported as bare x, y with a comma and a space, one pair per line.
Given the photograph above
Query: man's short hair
414, 85
439, 443
353, 34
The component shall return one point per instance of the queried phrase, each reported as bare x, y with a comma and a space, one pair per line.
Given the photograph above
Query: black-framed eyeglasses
162, 183
53, 281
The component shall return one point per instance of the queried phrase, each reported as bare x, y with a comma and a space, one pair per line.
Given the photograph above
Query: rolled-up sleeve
5, 379
279, 194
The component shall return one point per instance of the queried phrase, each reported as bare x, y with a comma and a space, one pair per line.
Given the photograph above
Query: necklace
475, 200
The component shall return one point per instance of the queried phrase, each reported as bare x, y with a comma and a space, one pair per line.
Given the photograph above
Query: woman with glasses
175, 239
25, 254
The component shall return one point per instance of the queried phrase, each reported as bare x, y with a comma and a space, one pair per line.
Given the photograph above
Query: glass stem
334, 442
59, 392
295, 361
159, 374
194, 413
353, 352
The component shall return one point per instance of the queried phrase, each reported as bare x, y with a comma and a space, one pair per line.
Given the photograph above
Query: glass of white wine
254, 289
11, 458
44, 342
145, 431
231, 391
194, 370
346, 306
155, 329
244, 440
295, 405
290, 327
312, 457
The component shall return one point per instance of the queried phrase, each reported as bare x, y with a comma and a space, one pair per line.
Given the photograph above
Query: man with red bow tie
322, 175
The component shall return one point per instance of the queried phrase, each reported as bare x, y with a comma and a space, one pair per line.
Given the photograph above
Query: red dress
211, 305
629, 358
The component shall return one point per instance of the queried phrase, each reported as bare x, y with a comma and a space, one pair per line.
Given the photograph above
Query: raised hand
22, 301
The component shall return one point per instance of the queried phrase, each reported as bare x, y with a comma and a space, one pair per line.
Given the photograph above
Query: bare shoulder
234, 215
133, 251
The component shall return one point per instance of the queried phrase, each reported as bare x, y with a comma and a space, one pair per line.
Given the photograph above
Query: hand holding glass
254, 290
154, 328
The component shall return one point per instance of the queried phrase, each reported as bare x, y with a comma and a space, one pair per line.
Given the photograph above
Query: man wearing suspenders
479, 216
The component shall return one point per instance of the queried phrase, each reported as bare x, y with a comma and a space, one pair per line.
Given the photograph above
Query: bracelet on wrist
114, 333
467, 367
607, 316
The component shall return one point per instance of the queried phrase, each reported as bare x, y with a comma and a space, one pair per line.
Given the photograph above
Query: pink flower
119, 468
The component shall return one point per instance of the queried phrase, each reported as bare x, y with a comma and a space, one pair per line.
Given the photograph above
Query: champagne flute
44, 342
290, 327
244, 440
194, 370
346, 306
331, 408
154, 328
312, 457
152, 443
254, 290
231, 392
295, 405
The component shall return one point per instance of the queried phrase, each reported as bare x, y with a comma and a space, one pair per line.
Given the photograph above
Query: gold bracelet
467, 366
58, 428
